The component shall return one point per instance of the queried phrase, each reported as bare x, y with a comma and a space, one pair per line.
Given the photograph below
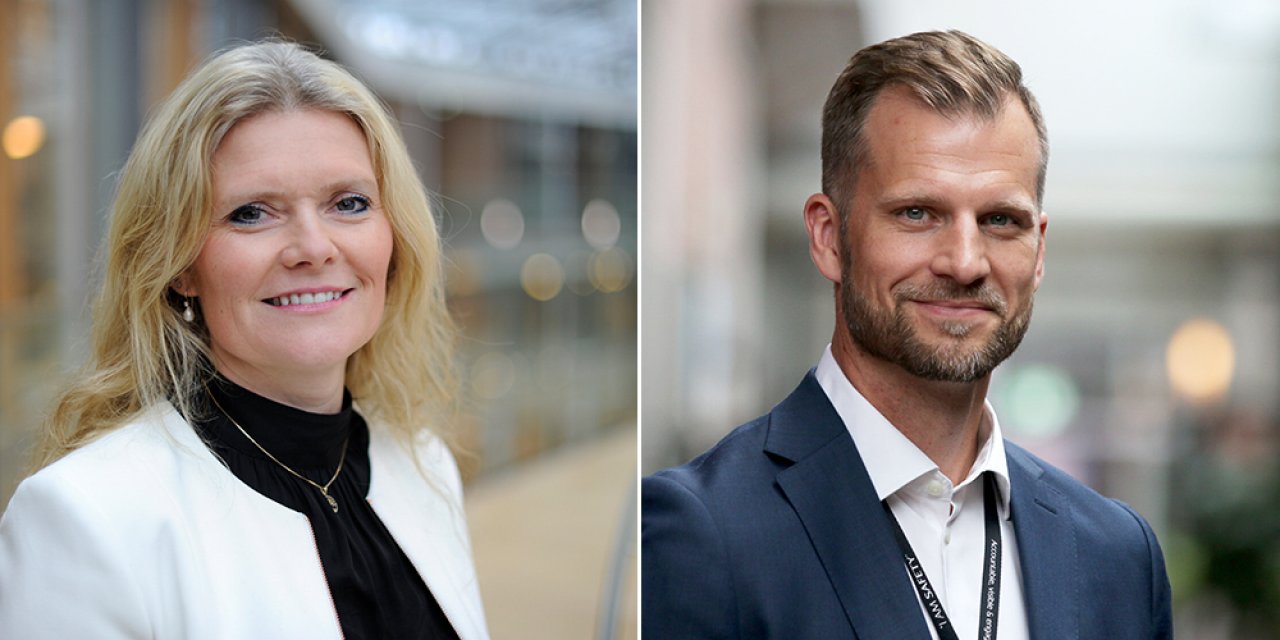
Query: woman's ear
183, 285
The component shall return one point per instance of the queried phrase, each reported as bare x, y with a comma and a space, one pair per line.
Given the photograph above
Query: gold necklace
324, 489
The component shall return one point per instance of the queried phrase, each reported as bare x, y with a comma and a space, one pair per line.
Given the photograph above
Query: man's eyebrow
1015, 205
894, 201
909, 199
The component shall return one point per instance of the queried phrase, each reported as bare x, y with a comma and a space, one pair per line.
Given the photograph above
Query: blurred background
521, 118
1150, 370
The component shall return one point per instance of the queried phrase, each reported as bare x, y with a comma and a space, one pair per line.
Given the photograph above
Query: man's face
943, 238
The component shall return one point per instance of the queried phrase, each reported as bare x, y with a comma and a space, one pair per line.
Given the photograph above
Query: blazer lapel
1047, 550
832, 494
425, 517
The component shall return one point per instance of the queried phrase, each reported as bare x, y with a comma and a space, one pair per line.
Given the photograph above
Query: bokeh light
601, 224
23, 137
1038, 401
1200, 360
502, 224
610, 270
542, 276
492, 375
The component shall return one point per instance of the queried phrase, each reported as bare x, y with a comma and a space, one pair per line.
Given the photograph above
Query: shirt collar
891, 459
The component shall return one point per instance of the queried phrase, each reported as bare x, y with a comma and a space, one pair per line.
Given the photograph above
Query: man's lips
954, 308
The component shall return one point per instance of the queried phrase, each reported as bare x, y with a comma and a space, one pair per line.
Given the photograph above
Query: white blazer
145, 534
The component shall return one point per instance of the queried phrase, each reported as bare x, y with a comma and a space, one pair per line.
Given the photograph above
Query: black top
376, 590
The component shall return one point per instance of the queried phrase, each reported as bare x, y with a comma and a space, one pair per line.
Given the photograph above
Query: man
880, 500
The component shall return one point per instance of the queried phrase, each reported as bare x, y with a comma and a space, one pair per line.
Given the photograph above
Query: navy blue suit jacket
776, 532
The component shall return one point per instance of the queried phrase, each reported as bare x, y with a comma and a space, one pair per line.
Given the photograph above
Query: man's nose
961, 254
310, 242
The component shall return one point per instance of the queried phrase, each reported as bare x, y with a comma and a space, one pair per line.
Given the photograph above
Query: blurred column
1253, 317
702, 225
116, 113
10, 261
73, 166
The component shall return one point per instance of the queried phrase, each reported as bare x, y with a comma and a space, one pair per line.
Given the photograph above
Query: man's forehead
898, 116
913, 150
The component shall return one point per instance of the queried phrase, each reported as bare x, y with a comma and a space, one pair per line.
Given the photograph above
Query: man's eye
353, 204
246, 215
914, 213
999, 220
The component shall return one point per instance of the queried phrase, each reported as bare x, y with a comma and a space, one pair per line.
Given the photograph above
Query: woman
249, 452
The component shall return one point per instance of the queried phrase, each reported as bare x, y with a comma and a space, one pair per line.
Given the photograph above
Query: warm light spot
600, 224
502, 224
1200, 360
542, 277
610, 270
492, 375
23, 137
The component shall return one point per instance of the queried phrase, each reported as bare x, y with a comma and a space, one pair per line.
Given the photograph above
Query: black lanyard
990, 611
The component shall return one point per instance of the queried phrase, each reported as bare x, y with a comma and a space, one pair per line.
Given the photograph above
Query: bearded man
880, 499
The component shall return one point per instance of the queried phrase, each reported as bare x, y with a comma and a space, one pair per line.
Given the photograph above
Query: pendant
332, 503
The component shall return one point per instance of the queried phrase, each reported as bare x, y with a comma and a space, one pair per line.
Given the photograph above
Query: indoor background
1150, 369
521, 118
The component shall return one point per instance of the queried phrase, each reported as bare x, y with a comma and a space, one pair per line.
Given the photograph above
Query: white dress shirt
943, 522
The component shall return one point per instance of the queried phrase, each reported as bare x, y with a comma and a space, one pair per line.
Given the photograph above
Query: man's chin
955, 366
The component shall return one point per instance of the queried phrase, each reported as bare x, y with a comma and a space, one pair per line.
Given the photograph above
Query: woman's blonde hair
143, 351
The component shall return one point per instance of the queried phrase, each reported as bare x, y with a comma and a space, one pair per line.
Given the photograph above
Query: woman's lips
307, 297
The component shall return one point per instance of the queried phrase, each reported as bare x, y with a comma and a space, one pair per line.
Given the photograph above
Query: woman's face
292, 278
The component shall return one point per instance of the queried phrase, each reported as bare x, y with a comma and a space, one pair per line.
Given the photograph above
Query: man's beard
889, 335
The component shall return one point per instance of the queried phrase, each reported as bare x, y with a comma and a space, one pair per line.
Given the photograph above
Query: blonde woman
253, 450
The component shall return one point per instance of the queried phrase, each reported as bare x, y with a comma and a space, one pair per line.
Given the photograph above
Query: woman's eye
353, 204
246, 215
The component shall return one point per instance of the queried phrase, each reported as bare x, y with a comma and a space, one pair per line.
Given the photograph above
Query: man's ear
822, 221
1043, 227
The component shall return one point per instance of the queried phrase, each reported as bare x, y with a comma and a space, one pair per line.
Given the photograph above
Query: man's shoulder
755, 451
732, 459
1097, 513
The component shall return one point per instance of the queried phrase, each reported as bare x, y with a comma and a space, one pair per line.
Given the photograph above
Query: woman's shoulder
422, 453
114, 472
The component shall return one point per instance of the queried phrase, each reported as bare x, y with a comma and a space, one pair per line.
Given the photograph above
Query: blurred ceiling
567, 60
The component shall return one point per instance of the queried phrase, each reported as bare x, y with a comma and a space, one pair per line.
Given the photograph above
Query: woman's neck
316, 392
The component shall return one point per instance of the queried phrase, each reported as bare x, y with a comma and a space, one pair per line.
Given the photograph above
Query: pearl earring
187, 313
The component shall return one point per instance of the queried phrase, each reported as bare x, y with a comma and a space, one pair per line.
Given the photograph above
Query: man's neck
943, 419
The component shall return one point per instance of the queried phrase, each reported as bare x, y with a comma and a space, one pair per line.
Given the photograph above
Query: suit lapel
833, 497
1046, 549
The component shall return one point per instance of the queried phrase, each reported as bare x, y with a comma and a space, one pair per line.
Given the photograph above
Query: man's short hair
952, 72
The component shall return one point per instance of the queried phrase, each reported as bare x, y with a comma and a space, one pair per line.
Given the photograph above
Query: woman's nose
309, 242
